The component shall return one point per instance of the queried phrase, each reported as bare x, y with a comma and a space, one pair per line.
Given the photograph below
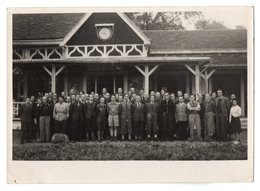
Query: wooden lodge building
86, 52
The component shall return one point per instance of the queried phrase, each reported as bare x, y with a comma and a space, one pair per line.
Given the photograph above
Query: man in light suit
222, 110
181, 117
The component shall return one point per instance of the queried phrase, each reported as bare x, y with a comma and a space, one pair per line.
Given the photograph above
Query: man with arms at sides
222, 111
194, 118
209, 115
60, 115
167, 108
113, 117
151, 111
138, 118
26, 111
76, 111
44, 119
125, 111
101, 118
90, 118
181, 117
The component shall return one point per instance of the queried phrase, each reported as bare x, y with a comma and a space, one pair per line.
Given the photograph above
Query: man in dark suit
138, 118
167, 109
90, 118
26, 111
222, 110
125, 111
151, 111
76, 112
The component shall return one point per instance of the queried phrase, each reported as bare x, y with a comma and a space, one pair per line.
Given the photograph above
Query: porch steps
243, 122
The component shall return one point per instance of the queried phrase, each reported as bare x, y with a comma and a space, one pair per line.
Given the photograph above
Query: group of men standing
130, 116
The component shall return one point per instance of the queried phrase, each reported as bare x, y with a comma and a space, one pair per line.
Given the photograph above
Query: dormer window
105, 30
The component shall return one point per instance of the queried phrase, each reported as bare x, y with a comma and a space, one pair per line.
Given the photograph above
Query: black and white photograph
121, 85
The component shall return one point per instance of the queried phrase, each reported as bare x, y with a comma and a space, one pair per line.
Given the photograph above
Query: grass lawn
106, 150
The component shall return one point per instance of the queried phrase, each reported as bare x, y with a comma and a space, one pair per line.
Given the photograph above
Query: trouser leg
191, 125
42, 128
198, 125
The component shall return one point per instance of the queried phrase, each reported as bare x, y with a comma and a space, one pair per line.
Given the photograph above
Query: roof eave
198, 51
37, 42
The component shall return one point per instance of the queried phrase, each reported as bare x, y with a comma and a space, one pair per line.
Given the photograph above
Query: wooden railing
16, 107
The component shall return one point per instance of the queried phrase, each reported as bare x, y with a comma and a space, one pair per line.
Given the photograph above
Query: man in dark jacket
26, 111
151, 111
167, 109
90, 118
222, 110
138, 118
44, 120
76, 116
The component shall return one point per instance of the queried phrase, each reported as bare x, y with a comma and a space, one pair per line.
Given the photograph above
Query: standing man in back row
222, 110
194, 117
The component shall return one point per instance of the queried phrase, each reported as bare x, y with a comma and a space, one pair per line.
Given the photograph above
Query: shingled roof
56, 26
43, 26
197, 40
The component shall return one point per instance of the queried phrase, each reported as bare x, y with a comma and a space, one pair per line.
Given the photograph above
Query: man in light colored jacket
181, 117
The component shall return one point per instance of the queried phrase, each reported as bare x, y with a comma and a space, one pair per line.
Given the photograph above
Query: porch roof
138, 60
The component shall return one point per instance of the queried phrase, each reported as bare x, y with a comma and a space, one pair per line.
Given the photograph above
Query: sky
230, 16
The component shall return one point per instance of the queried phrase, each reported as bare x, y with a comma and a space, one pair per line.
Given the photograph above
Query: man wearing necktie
125, 110
151, 111
138, 118
90, 118
222, 110
76, 111
167, 109
194, 118
26, 111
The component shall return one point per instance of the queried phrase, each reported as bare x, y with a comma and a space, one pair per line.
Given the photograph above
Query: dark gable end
87, 33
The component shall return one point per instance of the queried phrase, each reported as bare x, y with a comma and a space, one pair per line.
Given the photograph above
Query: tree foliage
164, 20
209, 25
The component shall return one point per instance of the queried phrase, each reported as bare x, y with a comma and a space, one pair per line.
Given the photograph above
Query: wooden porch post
210, 85
18, 87
53, 78
146, 73
197, 80
25, 84
206, 82
125, 82
242, 93
85, 82
95, 83
155, 82
53, 75
114, 83
66, 86
146, 78
188, 82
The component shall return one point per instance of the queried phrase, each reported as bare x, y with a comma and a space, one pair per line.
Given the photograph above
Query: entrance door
172, 83
109, 81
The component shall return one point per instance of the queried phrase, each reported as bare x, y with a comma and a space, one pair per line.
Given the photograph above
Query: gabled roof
39, 29
44, 26
56, 27
200, 40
